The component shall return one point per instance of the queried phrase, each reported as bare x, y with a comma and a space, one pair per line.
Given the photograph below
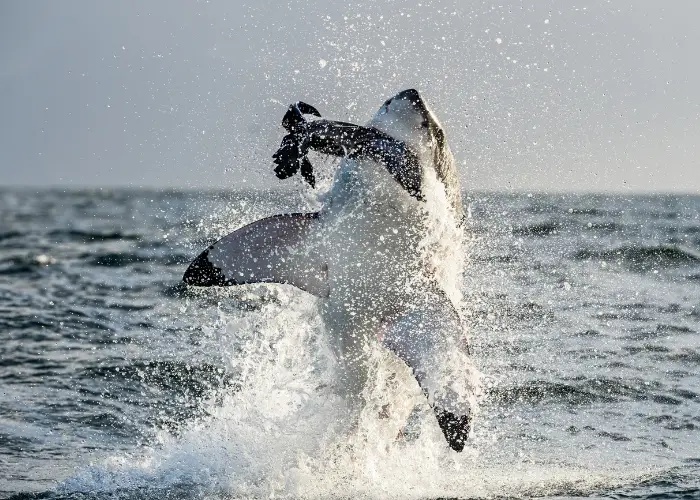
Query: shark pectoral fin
277, 249
427, 339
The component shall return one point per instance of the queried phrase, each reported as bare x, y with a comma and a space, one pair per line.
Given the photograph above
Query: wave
9, 235
555, 227
25, 265
28, 265
643, 257
686, 356
125, 259
193, 379
87, 236
541, 229
580, 392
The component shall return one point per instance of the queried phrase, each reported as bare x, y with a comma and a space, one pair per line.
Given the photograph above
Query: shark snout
406, 100
409, 95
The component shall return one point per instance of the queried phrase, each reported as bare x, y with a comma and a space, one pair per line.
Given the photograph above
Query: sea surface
118, 382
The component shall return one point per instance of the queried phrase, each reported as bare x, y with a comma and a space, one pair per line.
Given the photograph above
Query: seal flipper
344, 140
355, 141
424, 337
272, 250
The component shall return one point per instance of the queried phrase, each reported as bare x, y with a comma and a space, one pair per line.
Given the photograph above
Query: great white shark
383, 253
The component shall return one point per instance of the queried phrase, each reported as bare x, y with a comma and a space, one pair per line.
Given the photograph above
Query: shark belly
374, 262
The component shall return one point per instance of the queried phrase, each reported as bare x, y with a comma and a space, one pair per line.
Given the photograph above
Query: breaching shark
383, 253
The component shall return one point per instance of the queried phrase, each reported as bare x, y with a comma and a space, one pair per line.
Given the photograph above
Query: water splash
283, 432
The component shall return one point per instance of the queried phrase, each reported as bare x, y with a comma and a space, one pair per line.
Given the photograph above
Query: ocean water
118, 382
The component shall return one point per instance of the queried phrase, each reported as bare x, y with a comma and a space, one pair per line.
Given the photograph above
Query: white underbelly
373, 258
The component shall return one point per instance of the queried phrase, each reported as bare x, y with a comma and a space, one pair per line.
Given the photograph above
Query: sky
535, 95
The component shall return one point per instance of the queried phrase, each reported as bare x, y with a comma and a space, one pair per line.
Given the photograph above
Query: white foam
285, 434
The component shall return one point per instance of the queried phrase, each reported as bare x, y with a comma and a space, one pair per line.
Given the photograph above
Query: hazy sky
534, 95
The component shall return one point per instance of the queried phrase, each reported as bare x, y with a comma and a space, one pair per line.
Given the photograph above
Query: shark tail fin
426, 338
272, 250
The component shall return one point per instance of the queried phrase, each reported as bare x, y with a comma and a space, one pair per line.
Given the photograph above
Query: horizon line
294, 189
